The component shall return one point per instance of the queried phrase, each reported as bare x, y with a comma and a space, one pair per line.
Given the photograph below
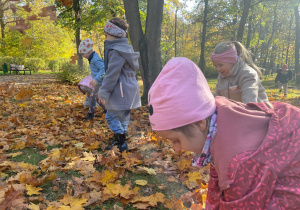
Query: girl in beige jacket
238, 76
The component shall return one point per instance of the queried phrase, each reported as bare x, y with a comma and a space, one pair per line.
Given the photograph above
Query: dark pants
94, 98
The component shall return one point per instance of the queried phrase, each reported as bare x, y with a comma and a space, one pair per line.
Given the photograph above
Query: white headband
114, 30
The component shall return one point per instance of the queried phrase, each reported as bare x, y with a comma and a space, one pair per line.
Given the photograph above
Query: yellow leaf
79, 145
204, 200
55, 153
78, 203
88, 156
67, 199
194, 176
141, 182
109, 176
147, 170
32, 206
157, 197
15, 154
23, 105
27, 166
32, 190
24, 94
3, 175
19, 145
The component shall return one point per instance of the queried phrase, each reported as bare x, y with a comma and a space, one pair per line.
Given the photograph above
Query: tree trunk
147, 44
245, 13
249, 32
76, 9
202, 63
297, 46
153, 34
274, 28
289, 37
2, 24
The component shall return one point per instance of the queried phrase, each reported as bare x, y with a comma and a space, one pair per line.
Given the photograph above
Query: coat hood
124, 49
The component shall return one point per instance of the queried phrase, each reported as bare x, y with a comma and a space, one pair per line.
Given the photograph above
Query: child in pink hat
253, 149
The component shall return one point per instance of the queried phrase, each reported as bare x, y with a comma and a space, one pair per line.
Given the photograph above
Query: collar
205, 157
91, 56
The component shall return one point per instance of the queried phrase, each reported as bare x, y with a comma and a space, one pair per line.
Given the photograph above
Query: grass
29, 155
27, 73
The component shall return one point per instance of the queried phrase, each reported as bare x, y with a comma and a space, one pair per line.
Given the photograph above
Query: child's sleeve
216, 92
101, 72
112, 75
249, 85
214, 193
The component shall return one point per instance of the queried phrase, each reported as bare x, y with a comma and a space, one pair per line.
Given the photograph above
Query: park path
24, 80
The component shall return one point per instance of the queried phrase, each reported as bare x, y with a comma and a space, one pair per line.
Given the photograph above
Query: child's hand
93, 83
101, 101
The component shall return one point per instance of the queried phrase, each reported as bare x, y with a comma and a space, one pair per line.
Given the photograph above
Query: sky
190, 4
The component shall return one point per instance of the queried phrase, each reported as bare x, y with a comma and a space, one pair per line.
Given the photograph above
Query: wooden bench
16, 68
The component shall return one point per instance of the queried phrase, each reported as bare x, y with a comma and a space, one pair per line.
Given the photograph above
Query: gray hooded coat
120, 88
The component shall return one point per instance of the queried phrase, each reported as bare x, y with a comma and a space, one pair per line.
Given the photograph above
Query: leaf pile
51, 159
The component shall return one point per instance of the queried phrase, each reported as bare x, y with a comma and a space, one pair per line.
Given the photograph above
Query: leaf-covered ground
51, 159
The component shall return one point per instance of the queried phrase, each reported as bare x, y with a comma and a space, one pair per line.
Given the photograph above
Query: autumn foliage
51, 159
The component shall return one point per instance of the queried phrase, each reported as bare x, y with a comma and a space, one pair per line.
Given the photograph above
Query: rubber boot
89, 116
120, 142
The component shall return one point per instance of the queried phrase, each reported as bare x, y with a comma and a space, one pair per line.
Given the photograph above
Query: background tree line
159, 30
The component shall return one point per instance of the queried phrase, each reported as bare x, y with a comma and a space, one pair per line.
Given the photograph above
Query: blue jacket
97, 67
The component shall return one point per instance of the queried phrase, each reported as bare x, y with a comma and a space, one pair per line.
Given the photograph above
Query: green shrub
72, 73
35, 64
53, 65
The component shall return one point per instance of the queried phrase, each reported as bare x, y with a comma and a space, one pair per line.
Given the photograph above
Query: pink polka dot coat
257, 157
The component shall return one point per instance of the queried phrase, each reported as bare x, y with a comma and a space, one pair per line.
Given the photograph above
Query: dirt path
21, 80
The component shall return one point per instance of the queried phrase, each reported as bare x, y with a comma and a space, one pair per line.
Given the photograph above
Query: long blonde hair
241, 51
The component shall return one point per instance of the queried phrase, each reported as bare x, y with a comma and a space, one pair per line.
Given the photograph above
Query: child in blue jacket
97, 71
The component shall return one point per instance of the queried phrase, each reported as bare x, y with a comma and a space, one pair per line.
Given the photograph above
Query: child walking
120, 90
283, 77
238, 76
253, 149
97, 72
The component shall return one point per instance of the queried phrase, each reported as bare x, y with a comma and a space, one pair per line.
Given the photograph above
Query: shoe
114, 143
89, 116
120, 141
123, 147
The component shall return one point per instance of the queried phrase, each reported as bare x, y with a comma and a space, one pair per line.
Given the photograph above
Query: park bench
16, 68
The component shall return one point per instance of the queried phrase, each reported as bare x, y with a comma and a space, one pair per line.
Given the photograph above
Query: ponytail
246, 56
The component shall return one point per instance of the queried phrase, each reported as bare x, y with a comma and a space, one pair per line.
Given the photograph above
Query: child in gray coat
120, 90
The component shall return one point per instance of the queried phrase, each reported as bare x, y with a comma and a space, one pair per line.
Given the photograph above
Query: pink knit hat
179, 96
86, 46
228, 56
